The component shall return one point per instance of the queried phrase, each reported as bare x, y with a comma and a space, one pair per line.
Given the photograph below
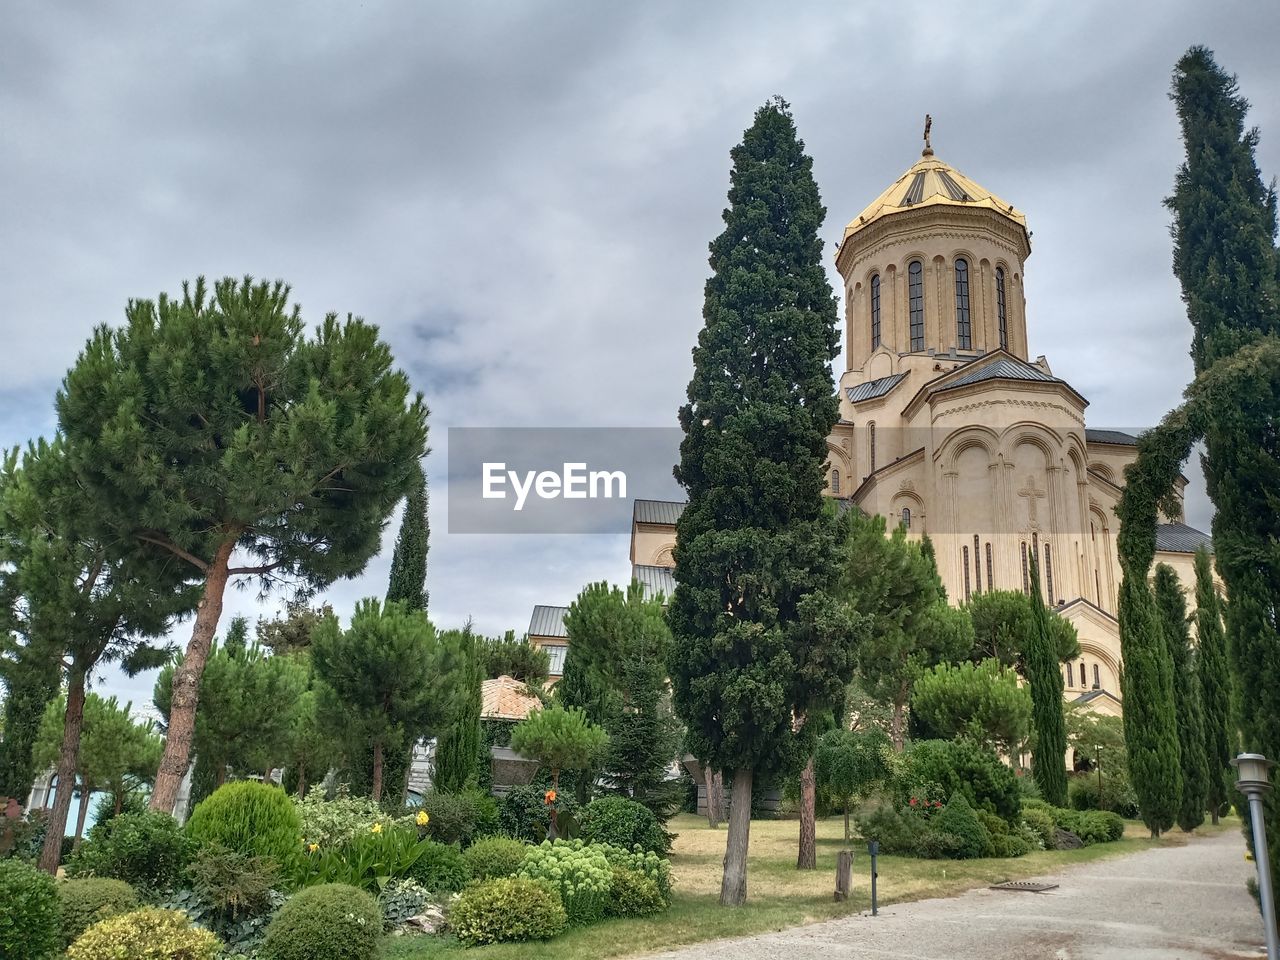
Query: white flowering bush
648, 863
580, 872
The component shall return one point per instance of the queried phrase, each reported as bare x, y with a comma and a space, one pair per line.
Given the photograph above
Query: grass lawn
778, 895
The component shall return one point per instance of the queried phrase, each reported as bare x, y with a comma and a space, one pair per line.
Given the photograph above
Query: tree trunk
807, 858
86, 791
302, 781
733, 886
898, 723
715, 796
219, 775
186, 683
119, 802
377, 770
1213, 816
846, 823
68, 759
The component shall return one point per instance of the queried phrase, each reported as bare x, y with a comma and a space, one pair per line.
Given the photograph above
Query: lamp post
1253, 779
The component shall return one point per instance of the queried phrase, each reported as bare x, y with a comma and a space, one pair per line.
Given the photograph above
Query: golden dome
930, 182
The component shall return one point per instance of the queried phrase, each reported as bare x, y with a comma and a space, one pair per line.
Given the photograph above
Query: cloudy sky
521, 194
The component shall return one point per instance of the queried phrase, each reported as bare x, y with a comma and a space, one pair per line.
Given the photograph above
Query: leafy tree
387, 675
981, 701
506, 656
29, 672
210, 431
1098, 738
1002, 621
1044, 674
1215, 687
292, 632
1171, 606
851, 764
458, 746
560, 739
408, 581
760, 645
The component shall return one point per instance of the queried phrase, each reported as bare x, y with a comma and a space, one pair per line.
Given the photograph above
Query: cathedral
949, 428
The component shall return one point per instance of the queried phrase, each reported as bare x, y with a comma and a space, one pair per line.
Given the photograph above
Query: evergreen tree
506, 656
1171, 605
29, 672
759, 645
983, 702
1215, 687
209, 426
387, 675
408, 581
1044, 675
458, 746
1002, 621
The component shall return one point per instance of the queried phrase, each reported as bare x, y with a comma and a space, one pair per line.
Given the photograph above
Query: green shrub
656, 868
937, 769
249, 818
939, 845
507, 909
368, 860
146, 934
29, 912
400, 900
1117, 794
494, 857
328, 823
634, 895
1091, 826
895, 831
581, 874
329, 922
623, 823
233, 884
460, 817
440, 868
523, 812
959, 819
1041, 824
147, 850
1006, 840
85, 902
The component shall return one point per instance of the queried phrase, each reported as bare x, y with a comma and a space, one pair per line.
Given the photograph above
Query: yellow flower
422, 818
376, 828
313, 847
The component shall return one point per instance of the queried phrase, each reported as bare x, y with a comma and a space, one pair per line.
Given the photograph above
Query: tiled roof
657, 511
1179, 538
656, 580
1005, 368
548, 622
1117, 437
873, 388
506, 699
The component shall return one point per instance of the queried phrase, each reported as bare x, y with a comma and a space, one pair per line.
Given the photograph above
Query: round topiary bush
29, 912
332, 921
250, 818
86, 901
634, 895
507, 909
623, 823
143, 849
959, 820
495, 857
147, 934
440, 868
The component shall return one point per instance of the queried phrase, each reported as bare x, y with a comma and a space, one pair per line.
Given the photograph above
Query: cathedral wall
651, 544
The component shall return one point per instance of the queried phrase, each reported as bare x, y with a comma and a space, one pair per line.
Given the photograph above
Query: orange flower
549, 797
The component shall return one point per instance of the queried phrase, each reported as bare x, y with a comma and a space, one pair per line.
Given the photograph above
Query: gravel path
1186, 902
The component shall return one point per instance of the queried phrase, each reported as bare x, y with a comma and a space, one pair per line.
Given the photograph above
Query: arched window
1026, 573
1097, 678
964, 330
977, 566
1048, 576
1001, 317
965, 551
872, 427
990, 576
835, 482
1082, 679
875, 311
906, 518
1071, 677
915, 301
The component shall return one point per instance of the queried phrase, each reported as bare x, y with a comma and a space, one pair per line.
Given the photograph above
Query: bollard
873, 848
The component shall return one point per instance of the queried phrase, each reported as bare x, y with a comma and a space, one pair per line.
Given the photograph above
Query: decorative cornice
932, 222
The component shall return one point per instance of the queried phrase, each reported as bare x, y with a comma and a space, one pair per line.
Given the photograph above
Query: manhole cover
1029, 886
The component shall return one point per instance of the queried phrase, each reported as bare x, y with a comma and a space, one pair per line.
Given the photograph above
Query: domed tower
932, 266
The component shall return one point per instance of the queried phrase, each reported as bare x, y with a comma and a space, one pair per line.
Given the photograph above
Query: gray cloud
521, 195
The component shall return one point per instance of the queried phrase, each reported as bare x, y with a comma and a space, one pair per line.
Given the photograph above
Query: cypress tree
1215, 687
408, 580
458, 746
1172, 607
1044, 674
30, 674
758, 643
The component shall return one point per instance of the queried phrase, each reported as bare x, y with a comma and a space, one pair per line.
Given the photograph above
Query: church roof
927, 183
1005, 368
655, 580
873, 388
1116, 437
505, 698
665, 512
548, 622
1180, 538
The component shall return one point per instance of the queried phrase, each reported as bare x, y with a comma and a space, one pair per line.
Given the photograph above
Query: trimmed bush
440, 869
1006, 840
330, 922
656, 868
146, 934
895, 831
1091, 826
85, 902
940, 768
147, 850
507, 909
495, 857
959, 819
29, 912
634, 895
1041, 823
249, 818
580, 873
460, 817
523, 812
623, 823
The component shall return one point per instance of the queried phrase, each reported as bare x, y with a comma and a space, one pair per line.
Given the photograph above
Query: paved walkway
1187, 902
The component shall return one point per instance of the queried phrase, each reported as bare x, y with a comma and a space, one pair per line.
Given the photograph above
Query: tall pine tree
1172, 607
408, 580
1044, 674
1215, 687
757, 642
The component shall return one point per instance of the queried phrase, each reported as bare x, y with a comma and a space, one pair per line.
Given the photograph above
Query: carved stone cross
1031, 495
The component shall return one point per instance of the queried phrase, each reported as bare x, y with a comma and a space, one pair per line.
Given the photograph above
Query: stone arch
1092, 652
838, 461
664, 556
908, 500
1102, 470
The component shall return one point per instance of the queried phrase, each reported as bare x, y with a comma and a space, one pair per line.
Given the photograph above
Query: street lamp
1253, 779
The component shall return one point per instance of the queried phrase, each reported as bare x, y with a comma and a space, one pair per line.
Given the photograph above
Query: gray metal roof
548, 622
657, 511
1179, 538
873, 388
1004, 368
1117, 437
656, 580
